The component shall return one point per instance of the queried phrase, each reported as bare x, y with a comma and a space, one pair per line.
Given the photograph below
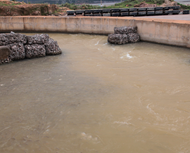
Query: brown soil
167, 3
10, 8
144, 4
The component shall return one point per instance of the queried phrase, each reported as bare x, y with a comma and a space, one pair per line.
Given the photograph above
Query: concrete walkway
171, 17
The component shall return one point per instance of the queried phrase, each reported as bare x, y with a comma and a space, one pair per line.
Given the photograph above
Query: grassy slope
9, 4
125, 4
185, 7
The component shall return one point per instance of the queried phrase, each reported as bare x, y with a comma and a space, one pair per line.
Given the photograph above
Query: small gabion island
124, 35
15, 46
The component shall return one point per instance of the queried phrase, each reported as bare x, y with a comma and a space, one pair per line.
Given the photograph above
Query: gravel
133, 37
11, 38
6, 60
35, 50
124, 35
22, 46
52, 47
38, 39
118, 39
17, 51
125, 30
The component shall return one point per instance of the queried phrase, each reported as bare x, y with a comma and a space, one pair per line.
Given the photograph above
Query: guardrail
129, 11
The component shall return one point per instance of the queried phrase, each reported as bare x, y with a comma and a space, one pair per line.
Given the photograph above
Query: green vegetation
131, 3
185, 7
81, 7
125, 4
8, 4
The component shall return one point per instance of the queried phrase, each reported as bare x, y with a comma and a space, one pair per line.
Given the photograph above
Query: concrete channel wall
172, 32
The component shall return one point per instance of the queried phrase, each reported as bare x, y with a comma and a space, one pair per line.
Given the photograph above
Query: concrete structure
185, 17
171, 32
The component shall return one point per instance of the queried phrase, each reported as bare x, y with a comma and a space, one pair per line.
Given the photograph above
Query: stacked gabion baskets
124, 35
22, 46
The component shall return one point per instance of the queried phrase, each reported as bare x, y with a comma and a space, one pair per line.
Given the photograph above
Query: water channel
97, 98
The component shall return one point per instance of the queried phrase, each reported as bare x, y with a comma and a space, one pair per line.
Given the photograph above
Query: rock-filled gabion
38, 39
124, 35
10, 38
3, 40
17, 51
6, 60
35, 50
118, 38
133, 37
125, 30
52, 47
22, 46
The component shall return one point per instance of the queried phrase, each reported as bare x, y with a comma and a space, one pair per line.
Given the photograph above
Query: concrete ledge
171, 32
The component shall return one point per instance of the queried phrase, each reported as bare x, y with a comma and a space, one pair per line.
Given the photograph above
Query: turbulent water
97, 98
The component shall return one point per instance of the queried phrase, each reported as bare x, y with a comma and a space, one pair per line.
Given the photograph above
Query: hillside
10, 8
66, 1
125, 4
40, 1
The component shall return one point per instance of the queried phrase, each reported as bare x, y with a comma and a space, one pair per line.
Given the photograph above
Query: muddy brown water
97, 98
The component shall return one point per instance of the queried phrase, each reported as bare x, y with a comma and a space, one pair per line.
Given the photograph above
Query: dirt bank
10, 8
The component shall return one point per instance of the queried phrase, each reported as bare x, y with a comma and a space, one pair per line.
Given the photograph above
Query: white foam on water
153, 112
85, 136
122, 123
97, 42
129, 56
5, 129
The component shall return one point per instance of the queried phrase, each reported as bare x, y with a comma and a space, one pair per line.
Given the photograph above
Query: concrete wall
172, 32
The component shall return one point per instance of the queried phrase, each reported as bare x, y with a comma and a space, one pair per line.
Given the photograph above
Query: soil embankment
10, 8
